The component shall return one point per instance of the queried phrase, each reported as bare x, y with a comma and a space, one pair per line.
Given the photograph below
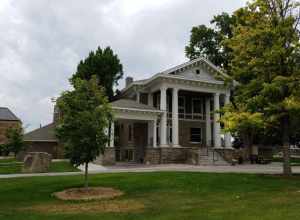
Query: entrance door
140, 140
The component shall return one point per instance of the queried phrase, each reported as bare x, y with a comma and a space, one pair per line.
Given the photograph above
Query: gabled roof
43, 134
171, 73
7, 115
131, 104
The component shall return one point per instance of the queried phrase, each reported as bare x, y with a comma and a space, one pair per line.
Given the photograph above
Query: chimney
56, 114
129, 80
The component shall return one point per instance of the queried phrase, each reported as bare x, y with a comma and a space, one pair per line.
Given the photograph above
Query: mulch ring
86, 194
109, 206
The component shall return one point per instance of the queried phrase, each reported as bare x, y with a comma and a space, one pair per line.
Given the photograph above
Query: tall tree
265, 51
105, 65
208, 42
85, 116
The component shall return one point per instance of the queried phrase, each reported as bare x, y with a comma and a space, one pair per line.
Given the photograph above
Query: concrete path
274, 168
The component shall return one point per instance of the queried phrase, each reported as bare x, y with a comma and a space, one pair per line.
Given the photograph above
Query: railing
189, 116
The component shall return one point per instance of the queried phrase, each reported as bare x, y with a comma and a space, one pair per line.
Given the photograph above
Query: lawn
162, 195
12, 167
294, 161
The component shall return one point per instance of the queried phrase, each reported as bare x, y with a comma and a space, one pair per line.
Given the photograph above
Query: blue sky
42, 41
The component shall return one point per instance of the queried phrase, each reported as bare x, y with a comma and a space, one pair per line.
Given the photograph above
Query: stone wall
152, 156
108, 158
56, 150
169, 155
227, 154
173, 155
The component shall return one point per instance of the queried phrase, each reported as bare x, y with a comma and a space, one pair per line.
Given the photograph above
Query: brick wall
4, 125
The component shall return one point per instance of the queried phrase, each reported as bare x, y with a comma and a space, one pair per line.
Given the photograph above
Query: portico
172, 114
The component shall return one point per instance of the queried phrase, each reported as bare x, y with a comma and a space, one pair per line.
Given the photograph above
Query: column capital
163, 88
175, 89
216, 94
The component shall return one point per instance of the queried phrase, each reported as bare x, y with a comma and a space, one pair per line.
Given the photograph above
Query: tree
243, 124
85, 116
105, 65
265, 61
208, 42
14, 143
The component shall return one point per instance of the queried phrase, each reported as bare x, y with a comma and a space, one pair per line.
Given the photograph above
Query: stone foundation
227, 154
108, 158
169, 155
152, 156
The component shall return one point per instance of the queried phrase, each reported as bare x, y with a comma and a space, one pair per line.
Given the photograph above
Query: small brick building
44, 140
7, 119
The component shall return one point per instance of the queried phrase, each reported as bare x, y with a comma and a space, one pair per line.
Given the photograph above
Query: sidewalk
274, 168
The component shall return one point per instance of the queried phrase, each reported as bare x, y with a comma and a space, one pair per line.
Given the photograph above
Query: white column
228, 143
138, 97
175, 134
208, 122
163, 121
106, 132
217, 127
112, 135
150, 132
154, 133
150, 99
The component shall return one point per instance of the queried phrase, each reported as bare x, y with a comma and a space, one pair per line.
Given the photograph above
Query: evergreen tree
105, 65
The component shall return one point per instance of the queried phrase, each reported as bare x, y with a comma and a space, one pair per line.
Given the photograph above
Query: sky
42, 41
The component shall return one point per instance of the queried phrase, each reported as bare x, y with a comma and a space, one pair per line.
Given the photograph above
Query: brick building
7, 119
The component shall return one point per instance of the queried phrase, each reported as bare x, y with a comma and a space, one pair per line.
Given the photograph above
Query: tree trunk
287, 171
86, 184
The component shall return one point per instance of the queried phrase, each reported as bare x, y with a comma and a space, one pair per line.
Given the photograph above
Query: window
130, 133
181, 106
195, 135
197, 71
197, 106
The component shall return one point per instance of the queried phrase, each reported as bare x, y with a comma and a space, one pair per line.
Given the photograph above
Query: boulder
37, 162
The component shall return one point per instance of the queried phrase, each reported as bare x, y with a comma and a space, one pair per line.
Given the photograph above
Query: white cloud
42, 41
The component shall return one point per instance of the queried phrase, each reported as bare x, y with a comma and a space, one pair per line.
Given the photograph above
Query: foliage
85, 116
242, 123
105, 65
265, 51
208, 42
15, 142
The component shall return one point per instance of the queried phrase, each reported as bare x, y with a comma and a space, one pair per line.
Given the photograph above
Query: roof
169, 73
43, 134
131, 104
7, 115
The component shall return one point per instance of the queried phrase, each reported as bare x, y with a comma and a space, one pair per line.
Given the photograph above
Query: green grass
62, 166
13, 167
9, 160
165, 195
294, 161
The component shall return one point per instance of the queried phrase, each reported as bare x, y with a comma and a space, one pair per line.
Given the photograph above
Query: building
44, 139
7, 119
171, 117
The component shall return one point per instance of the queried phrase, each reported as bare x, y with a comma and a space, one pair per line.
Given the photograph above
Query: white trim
137, 110
165, 73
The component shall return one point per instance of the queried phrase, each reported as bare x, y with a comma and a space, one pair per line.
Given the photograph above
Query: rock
37, 162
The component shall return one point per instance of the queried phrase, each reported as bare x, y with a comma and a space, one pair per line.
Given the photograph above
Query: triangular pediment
198, 69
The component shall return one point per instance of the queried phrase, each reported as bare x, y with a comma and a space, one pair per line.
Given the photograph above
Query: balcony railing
189, 116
